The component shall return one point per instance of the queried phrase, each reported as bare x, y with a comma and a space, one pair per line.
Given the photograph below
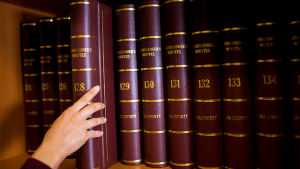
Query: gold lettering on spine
148, 54
124, 86
150, 49
33, 126
151, 116
171, 52
236, 118
184, 116
175, 83
28, 87
62, 86
176, 47
149, 84
234, 82
269, 117
125, 51
78, 87
48, 112
128, 116
45, 86
206, 117
31, 113
204, 83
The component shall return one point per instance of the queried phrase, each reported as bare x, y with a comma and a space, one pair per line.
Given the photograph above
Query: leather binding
32, 87
207, 85
153, 89
92, 64
130, 113
179, 89
268, 97
48, 57
236, 89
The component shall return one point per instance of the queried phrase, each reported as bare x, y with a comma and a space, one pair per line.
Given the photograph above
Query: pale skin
70, 130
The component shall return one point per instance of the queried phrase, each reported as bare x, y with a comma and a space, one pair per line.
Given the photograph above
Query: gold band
128, 70
233, 29
122, 40
294, 22
131, 131
48, 46
207, 100
150, 5
82, 36
175, 33
206, 31
63, 18
66, 100
47, 125
236, 135
297, 136
155, 132
48, 73
65, 45
152, 68
29, 24
228, 167
60, 73
174, 1
173, 66
295, 60
129, 101
295, 98
33, 126
26, 75
125, 9
50, 100
180, 132
236, 100
156, 163
270, 135
133, 161
269, 60
31, 101
266, 23
161, 100
206, 65
81, 3
201, 167
46, 20
209, 134
150, 37
30, 50
182, 99
86, 69
234, 64
269, 98
31, 151
181, 165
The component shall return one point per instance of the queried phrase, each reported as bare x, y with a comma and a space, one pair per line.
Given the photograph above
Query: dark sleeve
32, 163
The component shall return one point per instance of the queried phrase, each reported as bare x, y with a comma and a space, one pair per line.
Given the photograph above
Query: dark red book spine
153, 90
48, 56
179, 86
32, 87
92, 64
207, 85
129, 91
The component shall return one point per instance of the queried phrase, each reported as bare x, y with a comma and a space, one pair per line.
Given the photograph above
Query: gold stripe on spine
60, 73
30, 50
207, 100
48, 73
63, 18
297, 136
31, 151
47, 125
233, 29
129, 101
206, 65
81, 3
181, 99
128, 70
46, 20
174, 66
50, 100
126, 40
65, 45
234, 64
266, 23
269, 98
180, 132
232, 168
152, 68
48, 46
176, 33
206, 31
236, 100
132, 161
201, 167
269, 60
294, 22
270, 135
154, 132
66, 100
85, 69
151, 101
150, 5
150, 37
156, 163
181, 165
29, 24
295, 60
31, 101
174, 1
295, 98
33, 126
209, 134
26, 75
82, 36
131, 131
125, 9
236, 135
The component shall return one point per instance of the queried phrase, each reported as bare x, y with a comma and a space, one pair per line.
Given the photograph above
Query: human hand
70, 130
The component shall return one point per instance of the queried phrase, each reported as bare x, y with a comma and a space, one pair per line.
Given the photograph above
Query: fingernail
97, 88
100, 133
103, 105
105, 120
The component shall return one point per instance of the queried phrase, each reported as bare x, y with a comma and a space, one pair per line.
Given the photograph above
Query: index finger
85, 99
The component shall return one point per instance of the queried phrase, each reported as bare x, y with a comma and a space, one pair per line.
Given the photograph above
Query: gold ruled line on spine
60, 73
154, 132
174, 1
209, 134
26, 75
192, 0
126, 40
84, 69
131, 131
206, 65
234, 64
81, 3
295, 60
175, 66
236, 100
156, 163
125, 9
66, 100
236, 135
63, 56
63, 18
201, 167
297, 136
48, 73
31, 151
207, 100
295, 98
50, 99
294, 22
176, 33
180, 132
266, 23
29, 24
32, 101
46, 20
152, 68
149, 5
48, 46
151, 101
150, 37
30, 50
47, 125
129, 101
269, 60
62, 46
180, 99
128, 70
82, 36
206, 31
269, 98
181, 165
270, 135
233, 29
228, 167
132, 161
33, 126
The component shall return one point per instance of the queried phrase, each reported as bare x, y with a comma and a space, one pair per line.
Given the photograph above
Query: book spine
179, 89
129, 90
49, 78
32, 87
207, 86
153, 90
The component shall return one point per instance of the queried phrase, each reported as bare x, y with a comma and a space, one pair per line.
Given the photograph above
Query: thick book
207, 85
49, 78
32, 85
92, 64
179, 85
153, 89
130, 107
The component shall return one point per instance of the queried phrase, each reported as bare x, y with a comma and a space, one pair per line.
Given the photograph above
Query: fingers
90, 109
94, 122
94, 134
86, 98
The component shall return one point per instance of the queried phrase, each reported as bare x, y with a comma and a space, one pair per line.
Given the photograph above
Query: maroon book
179, 86
48, 56
207, 85
32, 85
130, 113
92, 64
153, 90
